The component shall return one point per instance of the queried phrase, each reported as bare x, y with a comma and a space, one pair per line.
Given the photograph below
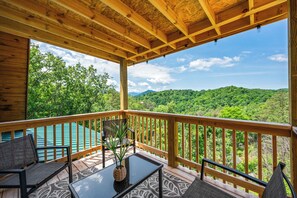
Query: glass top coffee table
102, 184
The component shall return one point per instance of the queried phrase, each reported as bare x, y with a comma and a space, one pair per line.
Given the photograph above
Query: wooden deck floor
95, 160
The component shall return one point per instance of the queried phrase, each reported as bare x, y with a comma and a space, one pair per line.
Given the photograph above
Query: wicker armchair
275, 188
22, 169
107, 132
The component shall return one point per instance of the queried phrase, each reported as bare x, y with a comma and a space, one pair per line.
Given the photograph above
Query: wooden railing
151, 131
80, 132
251, 147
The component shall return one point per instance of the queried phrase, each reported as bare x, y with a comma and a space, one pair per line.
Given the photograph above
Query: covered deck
133, 31
154, 136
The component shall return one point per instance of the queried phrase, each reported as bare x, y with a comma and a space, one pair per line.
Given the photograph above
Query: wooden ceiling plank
171, 16
250, 12
272, 13
230, 17
41, 25
205, 27
219, 24
25, 31
210, 14
252, 16
137, 19
93, 17
64, 21
207, 37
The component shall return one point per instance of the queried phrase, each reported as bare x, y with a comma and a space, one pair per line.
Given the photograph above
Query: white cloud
140, 87
72, 58
143, 84
206, 63
131, 83
112, 82
182, 69
241, 74
246, 52
152, 73
278, 58
180, 60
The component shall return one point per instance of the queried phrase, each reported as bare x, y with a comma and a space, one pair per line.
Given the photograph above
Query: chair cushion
202, 189
35, 174
275, 187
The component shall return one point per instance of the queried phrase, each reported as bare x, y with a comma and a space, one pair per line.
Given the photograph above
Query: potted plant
119, 148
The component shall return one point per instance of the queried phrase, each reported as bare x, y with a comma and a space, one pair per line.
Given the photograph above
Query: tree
234, 112
55, 89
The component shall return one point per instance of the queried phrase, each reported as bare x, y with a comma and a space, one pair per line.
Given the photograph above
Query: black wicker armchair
21, 167
275, 188
107, 132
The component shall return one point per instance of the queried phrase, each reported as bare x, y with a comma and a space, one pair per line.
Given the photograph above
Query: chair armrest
8, 171
22, 176
57, 147
131, 130
256, 180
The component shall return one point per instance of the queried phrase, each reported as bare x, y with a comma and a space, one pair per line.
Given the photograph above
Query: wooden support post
124, 84
172, 142
293, 86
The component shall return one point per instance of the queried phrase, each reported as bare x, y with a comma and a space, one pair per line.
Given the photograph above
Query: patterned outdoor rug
172, 187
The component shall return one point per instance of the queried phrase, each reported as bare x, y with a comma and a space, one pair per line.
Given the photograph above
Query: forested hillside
227, 102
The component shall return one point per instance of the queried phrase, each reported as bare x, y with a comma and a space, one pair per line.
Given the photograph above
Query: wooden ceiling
135, 30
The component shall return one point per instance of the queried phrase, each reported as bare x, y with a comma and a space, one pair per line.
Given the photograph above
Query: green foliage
56, 89
112, 142
227, 102
234, 112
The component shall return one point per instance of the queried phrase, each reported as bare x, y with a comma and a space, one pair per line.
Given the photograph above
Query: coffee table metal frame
130, 188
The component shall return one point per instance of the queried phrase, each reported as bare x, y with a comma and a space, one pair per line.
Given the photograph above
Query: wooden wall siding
13, 77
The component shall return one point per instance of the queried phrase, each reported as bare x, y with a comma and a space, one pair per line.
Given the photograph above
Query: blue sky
252, 59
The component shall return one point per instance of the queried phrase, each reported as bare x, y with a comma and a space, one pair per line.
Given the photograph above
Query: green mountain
140, 93
212, 102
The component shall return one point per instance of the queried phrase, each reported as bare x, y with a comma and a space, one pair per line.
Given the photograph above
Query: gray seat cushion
202, 189
35, 174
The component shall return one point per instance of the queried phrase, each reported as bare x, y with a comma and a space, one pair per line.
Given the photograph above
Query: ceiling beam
93, 17
64, 21
23, 18
207, 27
238, 17
137, 19
207, 38
210, 14
16, 28
250, 12
172, 17
252, 16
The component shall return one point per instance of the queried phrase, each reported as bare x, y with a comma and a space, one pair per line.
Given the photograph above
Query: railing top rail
251, 126
5, 126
